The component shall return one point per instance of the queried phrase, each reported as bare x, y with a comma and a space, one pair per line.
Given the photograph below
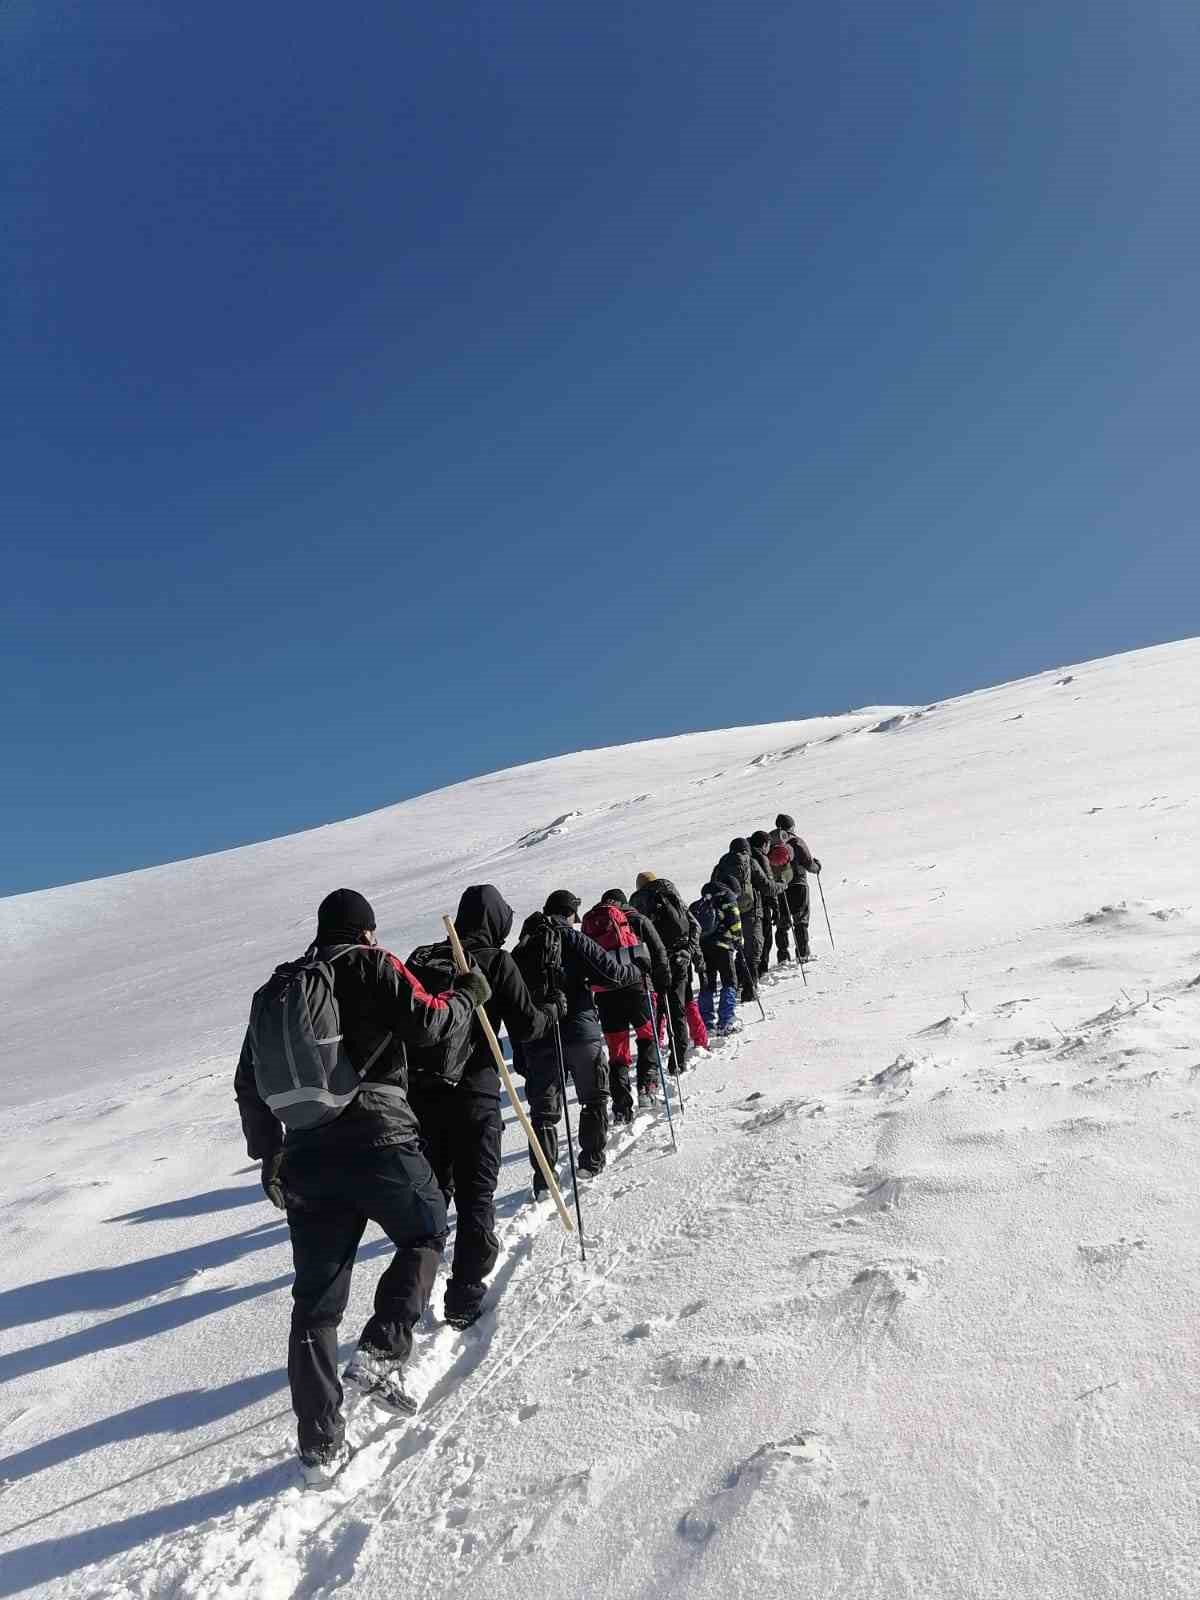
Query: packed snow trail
912, 1312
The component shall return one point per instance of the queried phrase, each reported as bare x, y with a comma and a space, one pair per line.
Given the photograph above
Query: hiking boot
322, 1463
591, 1165
382, 1377
622, 1118
647, 1102
463, 1304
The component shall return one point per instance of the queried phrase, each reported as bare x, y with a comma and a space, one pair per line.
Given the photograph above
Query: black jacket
483, 922
649, 900
376, 995
648, 935
584, 963
763, 878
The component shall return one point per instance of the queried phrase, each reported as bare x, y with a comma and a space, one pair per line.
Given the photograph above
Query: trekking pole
562, 1078
489, 1033
825, 909
662, 1076
675, 1056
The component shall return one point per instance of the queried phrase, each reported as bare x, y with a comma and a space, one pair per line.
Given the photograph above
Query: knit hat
562, 903
613, 897
784, 821
760, 839
739, 847
643, 878
344, 913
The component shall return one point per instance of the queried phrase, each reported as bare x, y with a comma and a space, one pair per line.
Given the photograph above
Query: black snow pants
770, 925
798, 909
793, 909
330, 1201
461, 1133
584, 1057
752, 944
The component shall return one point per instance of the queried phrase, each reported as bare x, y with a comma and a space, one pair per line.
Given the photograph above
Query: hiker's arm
522, 1017
264, 1135
414, 1015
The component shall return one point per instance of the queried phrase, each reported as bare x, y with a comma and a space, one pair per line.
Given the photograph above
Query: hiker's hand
474, 985
816, 867
272, 1180
556, 1005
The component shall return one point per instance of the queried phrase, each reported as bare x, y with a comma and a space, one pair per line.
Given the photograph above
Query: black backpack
302, 1069
539, 956
442, 1063
669, 915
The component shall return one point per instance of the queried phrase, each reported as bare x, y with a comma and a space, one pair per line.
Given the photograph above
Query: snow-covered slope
912, 1311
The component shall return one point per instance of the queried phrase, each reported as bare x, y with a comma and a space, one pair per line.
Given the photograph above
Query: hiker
760, 843
751, 885
659, 900
792, 875
330, 1121
461, 1121
554, 955
622, 1009
720, 943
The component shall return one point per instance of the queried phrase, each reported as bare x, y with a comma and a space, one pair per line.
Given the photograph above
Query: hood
484, 915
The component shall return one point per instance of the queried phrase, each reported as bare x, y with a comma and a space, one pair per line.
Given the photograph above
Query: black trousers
461, 1132
330, 1202
793, 910
584, 1060
676, 998
770, 923
798, 909
752, 943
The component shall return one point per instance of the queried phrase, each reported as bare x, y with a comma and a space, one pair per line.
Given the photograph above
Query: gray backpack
301, 1067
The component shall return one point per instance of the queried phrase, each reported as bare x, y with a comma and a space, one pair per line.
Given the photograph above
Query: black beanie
613, 897
784, 821
562, 903
344, 912
739, 847
760, 840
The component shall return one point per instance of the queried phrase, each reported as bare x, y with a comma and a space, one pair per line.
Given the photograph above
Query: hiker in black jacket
750, 885
580, 963
462, 1125
364, 1165
659, 900
760, 843
794, 902
622, 1009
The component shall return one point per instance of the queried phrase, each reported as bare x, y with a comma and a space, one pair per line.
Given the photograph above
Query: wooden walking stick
489, 1033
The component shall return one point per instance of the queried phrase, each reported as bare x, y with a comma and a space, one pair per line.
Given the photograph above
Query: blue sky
400, 394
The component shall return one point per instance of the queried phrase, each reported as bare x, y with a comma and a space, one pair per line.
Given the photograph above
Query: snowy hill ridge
912, 1312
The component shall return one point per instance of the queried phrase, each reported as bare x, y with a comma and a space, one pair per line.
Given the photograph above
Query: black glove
816, 867
556, 1005
474, 985
641, 959
272, 1180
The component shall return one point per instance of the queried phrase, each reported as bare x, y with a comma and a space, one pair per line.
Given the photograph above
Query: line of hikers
367, 1088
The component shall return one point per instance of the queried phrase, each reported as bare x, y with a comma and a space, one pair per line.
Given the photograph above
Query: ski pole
489, 1033
675, 1056
662, 1076
825, 909
562, 1078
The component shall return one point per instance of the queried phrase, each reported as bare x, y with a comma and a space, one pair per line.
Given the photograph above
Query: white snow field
914, 1310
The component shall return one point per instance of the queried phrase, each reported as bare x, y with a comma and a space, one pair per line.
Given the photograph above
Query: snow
912, 1311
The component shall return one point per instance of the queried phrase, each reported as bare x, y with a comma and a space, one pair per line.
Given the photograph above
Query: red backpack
609, 927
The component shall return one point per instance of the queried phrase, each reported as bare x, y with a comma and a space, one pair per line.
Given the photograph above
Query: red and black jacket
376, 996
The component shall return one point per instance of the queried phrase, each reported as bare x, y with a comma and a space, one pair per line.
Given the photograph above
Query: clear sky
397, 392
